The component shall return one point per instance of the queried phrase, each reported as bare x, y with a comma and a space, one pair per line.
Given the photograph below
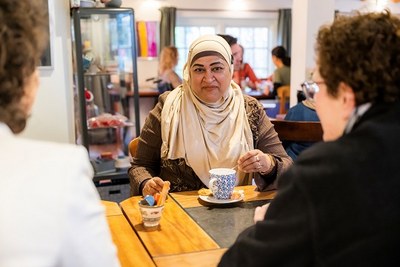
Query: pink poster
147, 38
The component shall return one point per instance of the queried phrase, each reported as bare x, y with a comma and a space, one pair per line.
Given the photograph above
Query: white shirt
50, 211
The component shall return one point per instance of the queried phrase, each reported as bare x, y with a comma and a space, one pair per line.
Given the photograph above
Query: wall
148, 10
52, 117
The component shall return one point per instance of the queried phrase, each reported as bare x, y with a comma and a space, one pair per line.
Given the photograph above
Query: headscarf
206, 135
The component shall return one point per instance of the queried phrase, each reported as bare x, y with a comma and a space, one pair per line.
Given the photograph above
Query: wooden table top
131, 252
177, 233
208, 258
190, 199
177, 241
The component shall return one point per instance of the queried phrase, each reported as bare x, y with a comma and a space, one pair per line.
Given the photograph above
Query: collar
356, 115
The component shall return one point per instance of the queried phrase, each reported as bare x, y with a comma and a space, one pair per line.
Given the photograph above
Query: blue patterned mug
222, 182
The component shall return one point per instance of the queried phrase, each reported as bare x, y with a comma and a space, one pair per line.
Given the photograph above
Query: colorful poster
147, 38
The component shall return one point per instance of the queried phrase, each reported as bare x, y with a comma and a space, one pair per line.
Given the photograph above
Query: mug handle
211, 185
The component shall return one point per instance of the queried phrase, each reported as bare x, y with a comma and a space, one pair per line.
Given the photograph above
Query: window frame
222, 19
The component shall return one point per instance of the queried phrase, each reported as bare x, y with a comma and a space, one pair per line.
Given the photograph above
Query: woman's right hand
153, 186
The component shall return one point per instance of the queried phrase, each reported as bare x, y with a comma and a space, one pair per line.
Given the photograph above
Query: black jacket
338, 205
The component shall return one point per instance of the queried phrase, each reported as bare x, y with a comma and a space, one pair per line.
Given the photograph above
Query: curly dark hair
362, 51
23, 35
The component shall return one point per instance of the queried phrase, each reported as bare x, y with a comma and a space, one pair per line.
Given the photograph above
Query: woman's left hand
254, 161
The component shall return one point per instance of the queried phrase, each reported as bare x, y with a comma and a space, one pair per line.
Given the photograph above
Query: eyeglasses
310, 88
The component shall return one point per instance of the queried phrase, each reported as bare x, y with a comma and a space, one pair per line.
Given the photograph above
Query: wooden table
190, 199
176, 234
131, 251
179, 240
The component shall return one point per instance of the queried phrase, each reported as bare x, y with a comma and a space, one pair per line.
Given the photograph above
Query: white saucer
211, 199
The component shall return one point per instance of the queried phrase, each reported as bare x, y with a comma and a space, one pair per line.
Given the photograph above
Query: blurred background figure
168, 78
281, 75
50, 211
302, 111
243, 74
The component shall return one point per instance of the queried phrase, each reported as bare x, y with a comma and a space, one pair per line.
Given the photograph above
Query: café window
255, 31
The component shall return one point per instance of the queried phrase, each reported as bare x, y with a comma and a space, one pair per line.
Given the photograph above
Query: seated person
168, 78
338, 204
206, 123
303, 111
281, 75
243, 74
50, 211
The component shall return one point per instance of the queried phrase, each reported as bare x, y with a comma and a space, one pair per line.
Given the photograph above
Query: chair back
283, 93
133, 146
298, 131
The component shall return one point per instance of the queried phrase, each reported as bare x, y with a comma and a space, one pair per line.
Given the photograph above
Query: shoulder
51, 149
313, 164
300, 112
247, 66
251, 102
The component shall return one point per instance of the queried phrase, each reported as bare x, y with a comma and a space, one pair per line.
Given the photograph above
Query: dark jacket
338, 205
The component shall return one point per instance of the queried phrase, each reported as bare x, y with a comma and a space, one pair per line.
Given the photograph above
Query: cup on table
151, 215
222, 182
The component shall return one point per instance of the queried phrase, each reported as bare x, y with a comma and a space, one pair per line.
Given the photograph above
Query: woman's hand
254, 161
259, 213
152, 186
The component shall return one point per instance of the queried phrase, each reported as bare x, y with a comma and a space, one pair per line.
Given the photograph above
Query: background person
339, 204
50, 211
206, 123
243, 74
281, 75
169, 79
302, 111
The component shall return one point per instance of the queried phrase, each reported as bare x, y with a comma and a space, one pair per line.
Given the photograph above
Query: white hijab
206, 135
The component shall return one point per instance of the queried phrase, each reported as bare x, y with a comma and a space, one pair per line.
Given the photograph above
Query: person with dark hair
281, 75
206, 123
339, 203
243, 74
50, 211
229, 39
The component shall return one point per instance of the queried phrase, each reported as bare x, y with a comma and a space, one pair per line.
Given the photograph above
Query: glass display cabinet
105, 86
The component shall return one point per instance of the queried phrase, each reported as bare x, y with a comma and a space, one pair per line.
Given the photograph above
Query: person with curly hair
50, 211
206, 123
339, 203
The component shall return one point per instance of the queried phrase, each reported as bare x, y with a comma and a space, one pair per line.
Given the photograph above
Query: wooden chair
133, 146
298, 131
283, 93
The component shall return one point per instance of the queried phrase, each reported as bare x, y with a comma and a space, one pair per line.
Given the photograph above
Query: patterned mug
222, 182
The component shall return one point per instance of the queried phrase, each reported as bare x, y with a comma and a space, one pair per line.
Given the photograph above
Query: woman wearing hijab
206, 123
